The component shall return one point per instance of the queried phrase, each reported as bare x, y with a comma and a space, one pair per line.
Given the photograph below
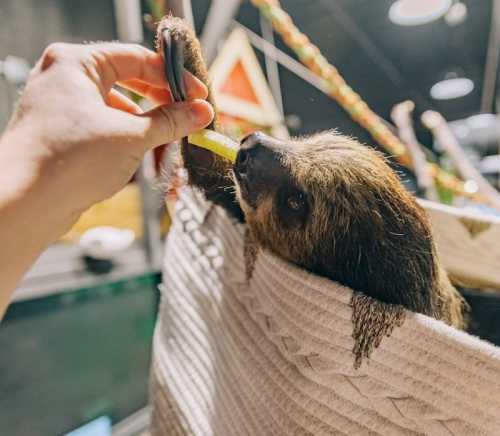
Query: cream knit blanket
274, 356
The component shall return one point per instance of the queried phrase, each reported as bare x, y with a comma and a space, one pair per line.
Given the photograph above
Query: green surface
69, 358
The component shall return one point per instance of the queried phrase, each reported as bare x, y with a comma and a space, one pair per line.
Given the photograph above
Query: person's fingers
159, 96
165, 124
128, 61
108, 62
195, 89
117, 100
121, 62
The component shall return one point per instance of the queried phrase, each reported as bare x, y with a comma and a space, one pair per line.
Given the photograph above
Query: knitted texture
274, 355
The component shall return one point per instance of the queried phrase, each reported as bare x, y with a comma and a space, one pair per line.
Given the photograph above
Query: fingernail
202, 112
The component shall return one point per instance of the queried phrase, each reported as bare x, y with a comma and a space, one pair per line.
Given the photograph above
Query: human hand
74, 140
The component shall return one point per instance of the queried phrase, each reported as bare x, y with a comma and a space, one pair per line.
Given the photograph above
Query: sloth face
334, 207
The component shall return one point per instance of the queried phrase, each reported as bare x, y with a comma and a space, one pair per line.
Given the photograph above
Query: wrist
25, 200
25, 229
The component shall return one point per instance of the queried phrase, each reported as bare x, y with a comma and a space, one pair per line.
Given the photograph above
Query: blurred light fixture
482, 121
15, 69
478, 132
451, 88
416, 12
470, 186
490, 165
457, 14
293, 121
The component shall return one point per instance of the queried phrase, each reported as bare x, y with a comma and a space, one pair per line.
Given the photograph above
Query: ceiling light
416, 12
451, 88
470, 186
457, 14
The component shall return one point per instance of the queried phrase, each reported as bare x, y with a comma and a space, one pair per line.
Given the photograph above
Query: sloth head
327, 204
334, 207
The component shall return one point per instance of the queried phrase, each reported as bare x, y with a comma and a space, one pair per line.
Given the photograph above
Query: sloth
327, 204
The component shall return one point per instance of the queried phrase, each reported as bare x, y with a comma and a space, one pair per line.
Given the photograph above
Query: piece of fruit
215, 142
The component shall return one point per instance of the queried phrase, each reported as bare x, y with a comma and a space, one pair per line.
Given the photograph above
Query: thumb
165, 124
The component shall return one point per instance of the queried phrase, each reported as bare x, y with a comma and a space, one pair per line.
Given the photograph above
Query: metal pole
150, 207
492, 55
272, 71
219, 18
129, 27
182, 9
129, 20
284, 59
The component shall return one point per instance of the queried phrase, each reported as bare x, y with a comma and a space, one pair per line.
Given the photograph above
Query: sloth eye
296, 202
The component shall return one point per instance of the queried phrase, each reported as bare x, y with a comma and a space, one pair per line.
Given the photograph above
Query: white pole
219, 17
129, 20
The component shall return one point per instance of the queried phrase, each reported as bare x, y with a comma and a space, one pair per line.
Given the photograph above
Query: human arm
74, 140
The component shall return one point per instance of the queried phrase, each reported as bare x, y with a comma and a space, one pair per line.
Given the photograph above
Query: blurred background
75, 345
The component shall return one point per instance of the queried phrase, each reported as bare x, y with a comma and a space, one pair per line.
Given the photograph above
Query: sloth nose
254, 140
258, 168
257, 151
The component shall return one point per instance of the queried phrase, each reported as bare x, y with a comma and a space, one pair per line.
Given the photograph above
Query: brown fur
364, 229
206, 171
359, 226
372, 320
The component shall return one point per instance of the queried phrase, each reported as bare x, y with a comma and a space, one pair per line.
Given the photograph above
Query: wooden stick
401, 115
436, 123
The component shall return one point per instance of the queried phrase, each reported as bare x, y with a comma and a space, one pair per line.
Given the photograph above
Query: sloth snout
256, 159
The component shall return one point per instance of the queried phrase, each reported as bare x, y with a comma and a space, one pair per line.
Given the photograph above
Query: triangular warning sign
239, 86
